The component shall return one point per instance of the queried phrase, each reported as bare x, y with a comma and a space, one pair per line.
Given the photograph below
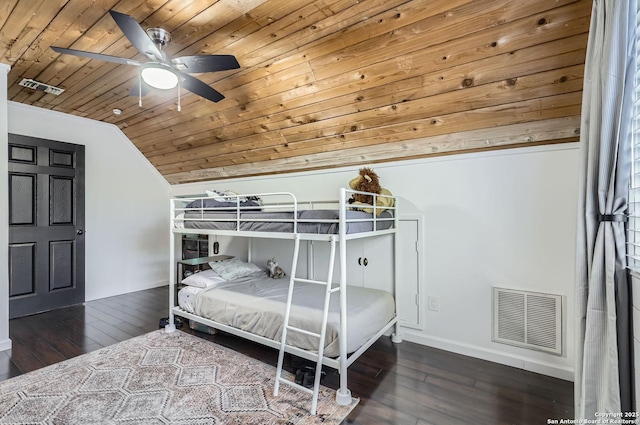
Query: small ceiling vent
36, 85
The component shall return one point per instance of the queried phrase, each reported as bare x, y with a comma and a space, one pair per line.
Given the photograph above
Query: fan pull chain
179, 106
140, 89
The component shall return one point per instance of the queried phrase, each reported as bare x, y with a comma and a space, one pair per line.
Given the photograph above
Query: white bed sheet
187, 297
256, 304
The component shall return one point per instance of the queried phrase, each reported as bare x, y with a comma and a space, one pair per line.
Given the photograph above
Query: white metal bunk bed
299, 222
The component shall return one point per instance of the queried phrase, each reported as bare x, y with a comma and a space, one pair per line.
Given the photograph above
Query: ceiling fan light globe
159, 77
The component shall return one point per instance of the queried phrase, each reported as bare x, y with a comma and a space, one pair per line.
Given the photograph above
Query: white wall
5, 342
127, 219
504, 218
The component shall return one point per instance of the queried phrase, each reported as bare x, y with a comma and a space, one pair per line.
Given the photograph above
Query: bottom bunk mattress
256, 304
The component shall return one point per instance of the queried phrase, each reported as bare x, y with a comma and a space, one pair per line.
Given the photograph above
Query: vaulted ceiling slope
322, 83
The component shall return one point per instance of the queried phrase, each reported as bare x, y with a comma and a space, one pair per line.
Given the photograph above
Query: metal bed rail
184, 210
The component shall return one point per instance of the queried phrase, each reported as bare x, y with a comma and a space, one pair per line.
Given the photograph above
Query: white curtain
603, 351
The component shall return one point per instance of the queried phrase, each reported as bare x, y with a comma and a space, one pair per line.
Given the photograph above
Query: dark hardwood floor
404, 384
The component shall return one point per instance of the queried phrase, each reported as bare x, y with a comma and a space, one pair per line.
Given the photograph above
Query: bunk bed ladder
323, 329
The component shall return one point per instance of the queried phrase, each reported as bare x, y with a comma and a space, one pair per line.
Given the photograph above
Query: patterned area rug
161, 378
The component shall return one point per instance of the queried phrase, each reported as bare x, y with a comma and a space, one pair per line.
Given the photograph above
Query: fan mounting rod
159, 36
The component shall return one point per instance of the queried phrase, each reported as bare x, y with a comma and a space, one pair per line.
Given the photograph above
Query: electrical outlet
433, 304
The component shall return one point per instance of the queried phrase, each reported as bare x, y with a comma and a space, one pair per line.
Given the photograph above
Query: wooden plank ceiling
322, 83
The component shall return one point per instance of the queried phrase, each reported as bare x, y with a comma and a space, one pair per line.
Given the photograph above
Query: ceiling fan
161, 71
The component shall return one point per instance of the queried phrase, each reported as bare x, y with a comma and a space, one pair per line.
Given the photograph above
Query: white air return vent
36, 85
527, 319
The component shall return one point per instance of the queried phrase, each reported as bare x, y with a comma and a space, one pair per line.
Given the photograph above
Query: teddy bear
368, 181
275, 271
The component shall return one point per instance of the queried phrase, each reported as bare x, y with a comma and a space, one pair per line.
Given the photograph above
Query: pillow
203, 279
233, 268
228, 196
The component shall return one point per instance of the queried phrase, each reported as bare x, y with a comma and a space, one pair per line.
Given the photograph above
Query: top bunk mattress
308, 221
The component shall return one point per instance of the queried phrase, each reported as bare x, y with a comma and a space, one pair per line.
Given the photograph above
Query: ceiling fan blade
97, 56
205, 63
137, 36
200, 88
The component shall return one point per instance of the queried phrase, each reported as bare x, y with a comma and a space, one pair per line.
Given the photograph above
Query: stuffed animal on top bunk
368, 181
275, 271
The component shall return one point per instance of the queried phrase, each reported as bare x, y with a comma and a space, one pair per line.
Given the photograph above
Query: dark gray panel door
46, 225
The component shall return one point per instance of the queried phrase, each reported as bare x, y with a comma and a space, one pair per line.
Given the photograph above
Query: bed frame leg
170, 327
343, 397
396, 337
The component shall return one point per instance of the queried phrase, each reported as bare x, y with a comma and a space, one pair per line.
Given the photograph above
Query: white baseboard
5, 344
531, 365
139, 287
151, 285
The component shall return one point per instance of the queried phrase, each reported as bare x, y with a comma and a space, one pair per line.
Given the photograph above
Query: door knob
79, 232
